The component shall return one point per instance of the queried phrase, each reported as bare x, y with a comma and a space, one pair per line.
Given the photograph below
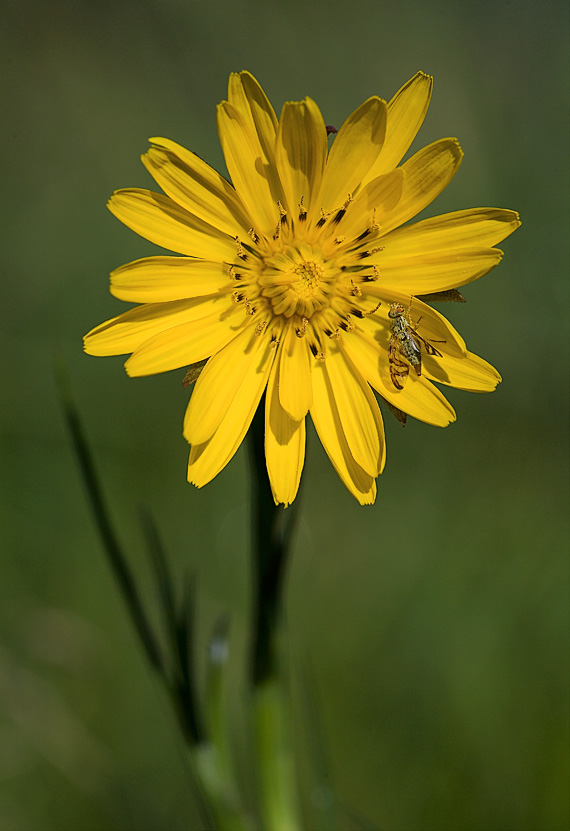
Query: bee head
396, 310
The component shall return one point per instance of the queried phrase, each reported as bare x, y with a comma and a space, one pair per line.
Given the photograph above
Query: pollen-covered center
310, 275
297, 282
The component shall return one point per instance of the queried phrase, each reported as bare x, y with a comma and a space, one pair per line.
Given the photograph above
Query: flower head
298, 280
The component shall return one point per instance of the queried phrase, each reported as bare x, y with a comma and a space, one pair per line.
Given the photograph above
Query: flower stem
272, 527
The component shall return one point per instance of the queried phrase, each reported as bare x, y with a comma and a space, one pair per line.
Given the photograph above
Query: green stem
271, 531
272, 528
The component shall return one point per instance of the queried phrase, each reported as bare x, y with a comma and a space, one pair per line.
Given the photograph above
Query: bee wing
430, 349
399, 369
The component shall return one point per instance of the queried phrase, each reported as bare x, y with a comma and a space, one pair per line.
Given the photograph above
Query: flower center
297, 282
309, 275
310, 278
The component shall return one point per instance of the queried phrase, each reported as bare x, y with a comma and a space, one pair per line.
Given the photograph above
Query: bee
405, 348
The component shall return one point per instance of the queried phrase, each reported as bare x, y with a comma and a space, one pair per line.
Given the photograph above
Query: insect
405, 348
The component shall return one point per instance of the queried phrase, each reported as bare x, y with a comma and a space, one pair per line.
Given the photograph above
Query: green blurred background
434, 623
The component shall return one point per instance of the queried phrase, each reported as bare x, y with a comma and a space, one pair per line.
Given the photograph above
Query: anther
237, 296
260, 328
250, 309
375, 309
324, 216
254, 235
339, 214
302, 211
281, 221
339, 240
301, 330
355, 290
240, 249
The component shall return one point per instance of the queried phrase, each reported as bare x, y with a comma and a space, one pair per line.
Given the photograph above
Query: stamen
237, 296
250, 309
339, 240
363, 254
240, 249
302, 211
301, 330
374, 226
375, 309
233, 274
281, 221
254, 235
339, 215
260, 328
335, 335
356, 291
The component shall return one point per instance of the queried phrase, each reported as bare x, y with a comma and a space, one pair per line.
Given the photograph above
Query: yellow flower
298, 280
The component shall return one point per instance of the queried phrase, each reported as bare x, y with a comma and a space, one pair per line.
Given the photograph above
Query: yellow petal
159, 279
353, 152
195, 186
419, 398
126, 332
284, 445
469, 372
406, 112
186, 344
253, 175
471, 228
326, 419
220, 382
295, 389
209, 458
300, 153
426, 174
373, 205
160, 220
436, 272
246, 95
358, 412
